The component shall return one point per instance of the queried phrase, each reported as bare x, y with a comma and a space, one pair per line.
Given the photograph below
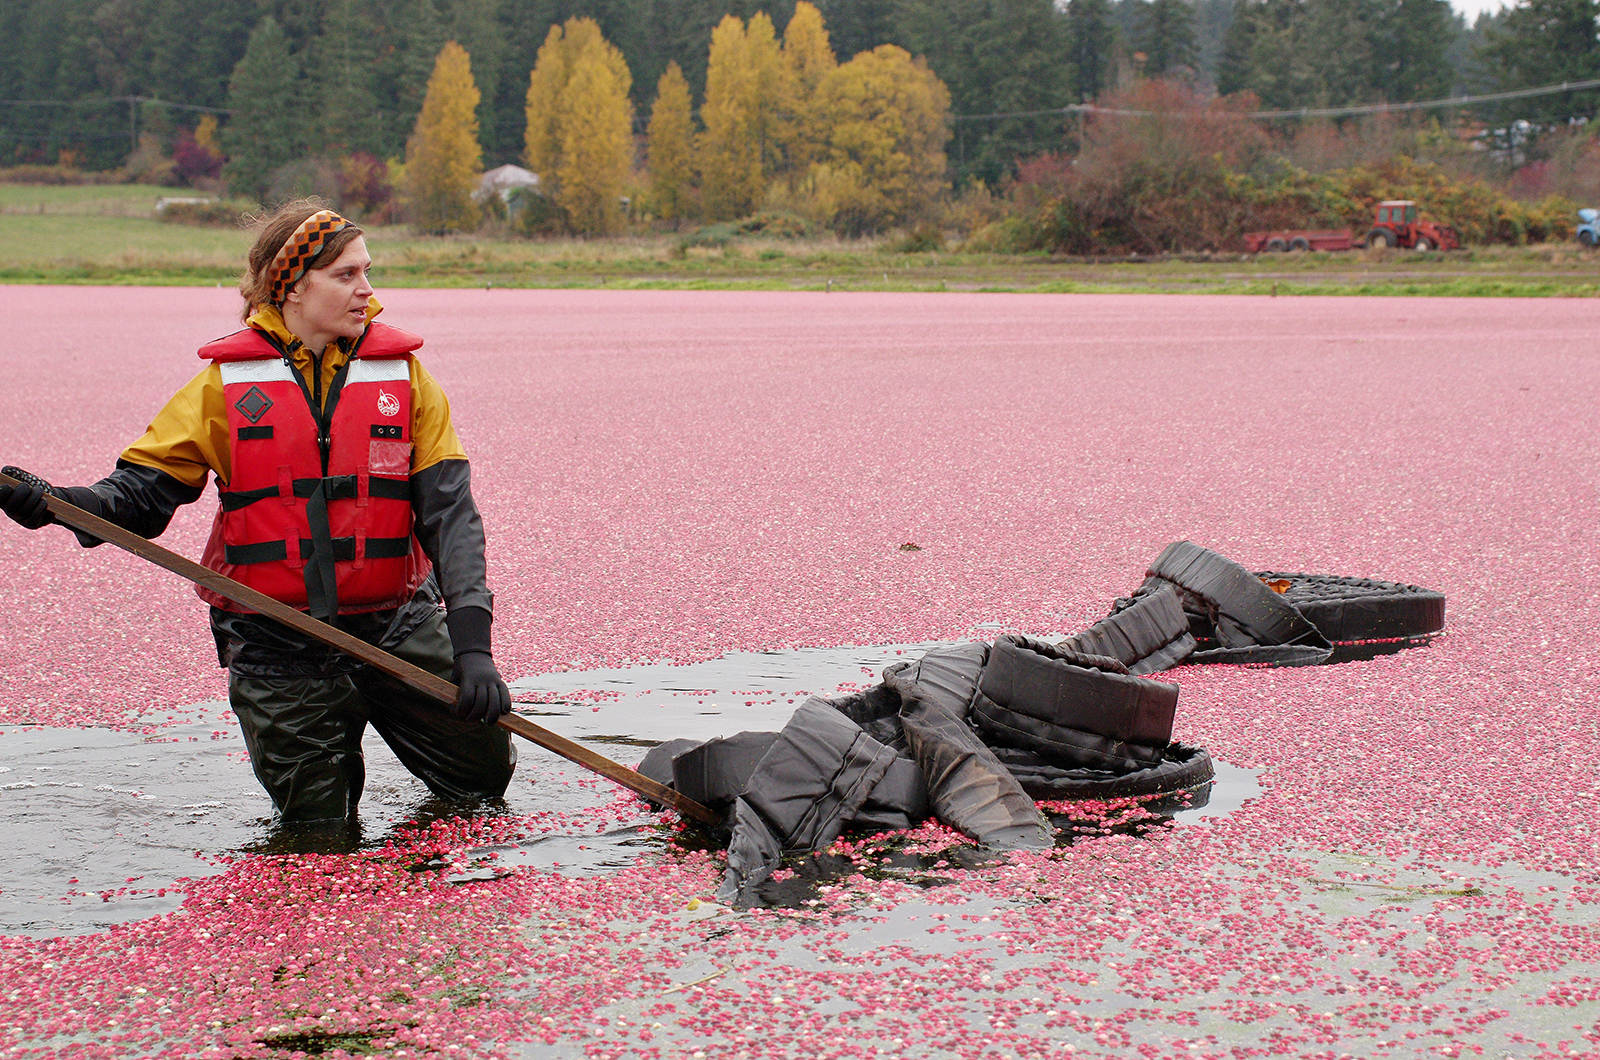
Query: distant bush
57, 174
194, 162
922, 239
1572, 171
224, 213
772, 225
713, 236
307, 176
1481, 213
1008, 235
767, 224
149, 163
531, 213
366, 187
1164, 172
975, 206
1158, 170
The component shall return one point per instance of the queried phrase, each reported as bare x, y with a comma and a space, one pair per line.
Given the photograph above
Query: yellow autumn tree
671, 146
746, 82
541, 139
596, 146
579, 135
808, 55
443, 156
205, 134
884, 162
774, 85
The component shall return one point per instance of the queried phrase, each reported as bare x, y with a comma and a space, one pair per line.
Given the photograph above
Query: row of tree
857, 146
349, 77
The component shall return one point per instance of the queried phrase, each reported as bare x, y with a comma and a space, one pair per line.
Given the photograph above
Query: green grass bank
110, 234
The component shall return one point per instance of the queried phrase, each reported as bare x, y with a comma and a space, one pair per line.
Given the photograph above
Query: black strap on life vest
335, 488
322, 585
342, 548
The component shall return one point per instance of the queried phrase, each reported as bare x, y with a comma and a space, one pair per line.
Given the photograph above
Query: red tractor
1397, 225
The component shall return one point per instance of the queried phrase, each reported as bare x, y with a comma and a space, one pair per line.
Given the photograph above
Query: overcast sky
1471, 9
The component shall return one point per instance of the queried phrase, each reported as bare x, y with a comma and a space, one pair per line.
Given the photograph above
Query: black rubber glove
24, 502
481, 694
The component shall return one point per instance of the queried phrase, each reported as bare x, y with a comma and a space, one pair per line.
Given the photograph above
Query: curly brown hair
273, 231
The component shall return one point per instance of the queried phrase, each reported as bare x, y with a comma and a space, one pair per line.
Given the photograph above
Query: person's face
331, 303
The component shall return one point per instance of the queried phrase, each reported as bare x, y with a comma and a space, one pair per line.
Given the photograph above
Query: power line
1303, 112
1070, 108
121, 100
1431, 104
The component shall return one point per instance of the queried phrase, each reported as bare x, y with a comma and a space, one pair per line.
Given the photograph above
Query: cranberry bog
703, 505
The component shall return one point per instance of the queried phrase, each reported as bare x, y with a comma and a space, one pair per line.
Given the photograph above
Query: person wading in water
342, 491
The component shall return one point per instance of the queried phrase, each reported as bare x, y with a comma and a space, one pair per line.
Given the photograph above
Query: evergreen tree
1167, 37
678, 31
857, 26
1211, 20
443, 157
94, 135
884, 163
1267, 53
1541, 42
1468, 64
671, 140
45, 53
1412, 45
300, 19
118, 46
264, 127
416, 33
191, 47
653, 33
999, 57
29, 50
522, 26
1091, 42
347, 82
1238, 45
1353, 72
1387, 51
475, 25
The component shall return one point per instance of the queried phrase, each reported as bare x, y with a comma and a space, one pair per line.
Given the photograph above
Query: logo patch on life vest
388, 404
253, 405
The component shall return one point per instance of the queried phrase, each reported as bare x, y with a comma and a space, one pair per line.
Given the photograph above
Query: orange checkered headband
301, 249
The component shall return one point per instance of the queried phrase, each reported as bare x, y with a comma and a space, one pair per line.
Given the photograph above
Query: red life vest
317, 512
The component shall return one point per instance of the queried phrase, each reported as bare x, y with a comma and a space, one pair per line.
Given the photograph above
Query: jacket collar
268, 320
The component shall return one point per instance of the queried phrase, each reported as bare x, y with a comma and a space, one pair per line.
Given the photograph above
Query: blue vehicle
1589, 231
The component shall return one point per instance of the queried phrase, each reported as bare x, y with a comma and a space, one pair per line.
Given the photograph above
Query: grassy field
109, 234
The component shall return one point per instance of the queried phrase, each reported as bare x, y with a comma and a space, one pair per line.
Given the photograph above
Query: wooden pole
414, 676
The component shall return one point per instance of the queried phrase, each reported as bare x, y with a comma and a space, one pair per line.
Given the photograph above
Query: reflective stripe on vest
319, 523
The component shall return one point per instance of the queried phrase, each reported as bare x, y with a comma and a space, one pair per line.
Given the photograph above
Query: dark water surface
101, 824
